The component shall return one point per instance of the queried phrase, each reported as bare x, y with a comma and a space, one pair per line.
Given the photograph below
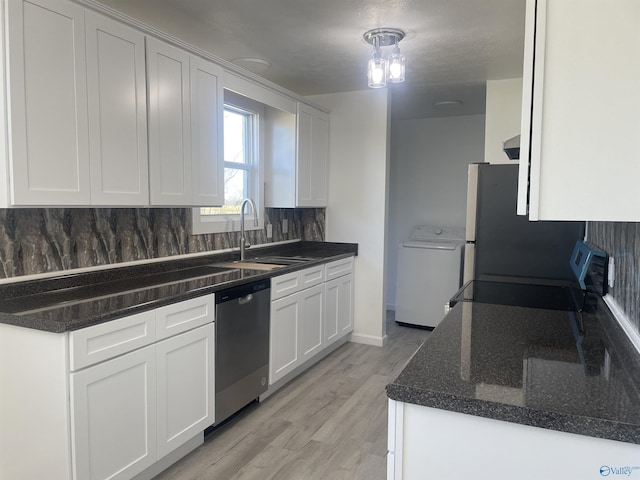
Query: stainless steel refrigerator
503, 246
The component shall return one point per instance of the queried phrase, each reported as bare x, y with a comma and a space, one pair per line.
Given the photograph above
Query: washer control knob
439, 231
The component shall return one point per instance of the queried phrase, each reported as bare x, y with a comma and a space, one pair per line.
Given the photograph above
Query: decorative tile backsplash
38, 240
622, 242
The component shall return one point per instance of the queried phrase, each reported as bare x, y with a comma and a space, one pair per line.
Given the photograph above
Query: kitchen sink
267, 263
251, 265
282, 260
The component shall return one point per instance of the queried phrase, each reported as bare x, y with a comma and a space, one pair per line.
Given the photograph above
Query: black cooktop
550, 297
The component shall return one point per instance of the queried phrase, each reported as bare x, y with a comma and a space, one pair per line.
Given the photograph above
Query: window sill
203, 224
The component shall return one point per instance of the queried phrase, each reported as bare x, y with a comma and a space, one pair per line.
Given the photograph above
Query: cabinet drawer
310, 277
98, 343
339, 268
183, 316
289, 283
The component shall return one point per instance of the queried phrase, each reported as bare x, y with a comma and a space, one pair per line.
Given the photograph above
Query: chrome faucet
243, 240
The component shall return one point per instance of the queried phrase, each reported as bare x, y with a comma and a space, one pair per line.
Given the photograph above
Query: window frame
202, 224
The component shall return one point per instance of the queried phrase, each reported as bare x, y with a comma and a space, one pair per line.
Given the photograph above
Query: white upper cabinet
185, 127
48, 154
313, 157
76, 108
207, 111
117, 113
581, 111
298, 158
169, 124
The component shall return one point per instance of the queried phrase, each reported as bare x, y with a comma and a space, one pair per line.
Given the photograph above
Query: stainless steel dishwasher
242, 346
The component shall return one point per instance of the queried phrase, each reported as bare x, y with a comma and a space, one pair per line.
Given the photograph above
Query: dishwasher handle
246, 299
243, 292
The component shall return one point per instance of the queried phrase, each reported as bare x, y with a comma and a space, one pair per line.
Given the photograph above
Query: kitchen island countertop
558, 370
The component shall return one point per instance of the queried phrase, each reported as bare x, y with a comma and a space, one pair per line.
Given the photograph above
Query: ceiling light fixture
381, 71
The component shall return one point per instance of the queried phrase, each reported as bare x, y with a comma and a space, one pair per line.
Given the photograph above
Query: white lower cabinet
308, 315
338, 320
113, 419
296, 321
130, 411
185, 390
110, 400
426, 442
296, 330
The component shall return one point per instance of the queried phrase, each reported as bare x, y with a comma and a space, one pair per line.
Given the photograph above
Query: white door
283, 338
185, 387
207, 110
117, 113
311, 321
48, 103
169, 124
113, 417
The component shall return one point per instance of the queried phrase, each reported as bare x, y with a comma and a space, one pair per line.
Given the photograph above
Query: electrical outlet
285, 225
269, 230
611, 269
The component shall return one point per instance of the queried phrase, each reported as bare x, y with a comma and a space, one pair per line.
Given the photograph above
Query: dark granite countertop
77, 300
554, 369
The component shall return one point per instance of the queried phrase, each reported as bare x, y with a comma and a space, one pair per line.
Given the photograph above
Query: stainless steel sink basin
281, 260
267, 263
252, 265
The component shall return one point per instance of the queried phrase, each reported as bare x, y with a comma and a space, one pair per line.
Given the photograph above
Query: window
243, 154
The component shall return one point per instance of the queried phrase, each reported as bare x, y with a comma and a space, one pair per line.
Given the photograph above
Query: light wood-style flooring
328, 423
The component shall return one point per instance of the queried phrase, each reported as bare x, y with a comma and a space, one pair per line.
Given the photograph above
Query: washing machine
429, 274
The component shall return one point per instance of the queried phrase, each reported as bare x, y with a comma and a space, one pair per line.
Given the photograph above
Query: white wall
503, 112
428, 179
358, 186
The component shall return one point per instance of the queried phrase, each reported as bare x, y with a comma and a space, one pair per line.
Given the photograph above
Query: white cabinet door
207, 110
117, 113
283, 338
297, 330
310, 322
47, 103
582, 95
113, 422
312, 157
345, 305
339, 308
169, 124
331, 313
185, 387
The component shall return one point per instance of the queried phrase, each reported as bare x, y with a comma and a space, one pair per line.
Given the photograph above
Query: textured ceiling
315, 46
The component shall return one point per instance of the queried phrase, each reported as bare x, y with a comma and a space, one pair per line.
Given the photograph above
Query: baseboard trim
369, 339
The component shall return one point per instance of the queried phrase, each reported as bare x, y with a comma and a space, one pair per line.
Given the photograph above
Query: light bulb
396, 66
376, 73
